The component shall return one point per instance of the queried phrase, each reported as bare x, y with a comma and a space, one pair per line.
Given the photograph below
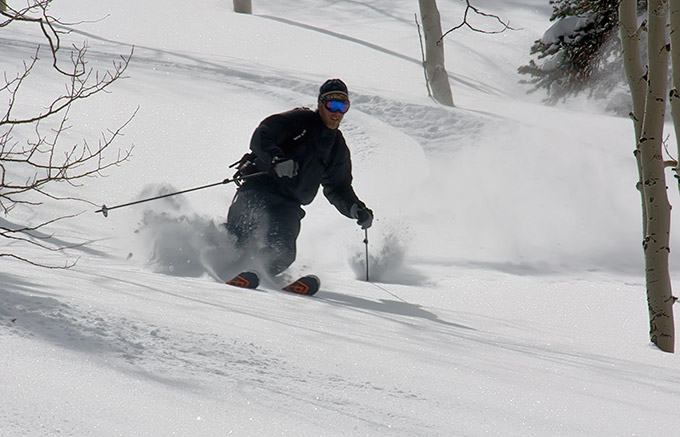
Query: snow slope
507, 298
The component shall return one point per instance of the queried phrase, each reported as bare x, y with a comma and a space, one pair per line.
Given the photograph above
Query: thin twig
422, 53
466, 23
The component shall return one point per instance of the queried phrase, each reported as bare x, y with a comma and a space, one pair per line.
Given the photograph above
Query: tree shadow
470, 82
30, 309
46, 239
15, 283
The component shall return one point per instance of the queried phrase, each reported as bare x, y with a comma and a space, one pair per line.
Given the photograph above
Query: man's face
331, 119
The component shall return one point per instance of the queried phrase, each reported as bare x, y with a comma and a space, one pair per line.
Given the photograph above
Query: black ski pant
266, 227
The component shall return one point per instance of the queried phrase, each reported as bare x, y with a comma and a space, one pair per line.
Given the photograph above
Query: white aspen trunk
635, 74
674, 13
656, 242
632, 60
243, 6
434, 53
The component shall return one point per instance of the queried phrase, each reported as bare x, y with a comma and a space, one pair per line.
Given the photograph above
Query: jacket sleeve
337, 180
268, 138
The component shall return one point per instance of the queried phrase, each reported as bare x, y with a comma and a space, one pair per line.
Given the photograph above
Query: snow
508, 294
565, 27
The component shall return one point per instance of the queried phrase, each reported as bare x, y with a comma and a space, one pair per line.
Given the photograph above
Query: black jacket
320, 152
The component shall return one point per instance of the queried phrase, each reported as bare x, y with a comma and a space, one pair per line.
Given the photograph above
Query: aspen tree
649, 105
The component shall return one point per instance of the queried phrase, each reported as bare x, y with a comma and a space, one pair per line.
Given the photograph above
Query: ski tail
307, 285
245, 280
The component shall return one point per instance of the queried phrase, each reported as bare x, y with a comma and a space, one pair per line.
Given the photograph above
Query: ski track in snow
267, 375
183, 358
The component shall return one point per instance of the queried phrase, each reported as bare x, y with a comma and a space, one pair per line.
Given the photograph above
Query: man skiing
296, 152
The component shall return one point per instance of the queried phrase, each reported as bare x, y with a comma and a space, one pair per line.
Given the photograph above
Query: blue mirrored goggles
336, 106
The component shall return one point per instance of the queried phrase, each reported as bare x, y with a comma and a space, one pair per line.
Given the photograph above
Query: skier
298, 151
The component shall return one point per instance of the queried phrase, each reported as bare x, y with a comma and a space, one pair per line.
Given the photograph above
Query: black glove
285, 167
363, 215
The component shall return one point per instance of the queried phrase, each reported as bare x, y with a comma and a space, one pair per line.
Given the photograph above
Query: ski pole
105, 209
366, 243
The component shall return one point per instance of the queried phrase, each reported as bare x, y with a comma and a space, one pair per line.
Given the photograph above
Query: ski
307, 285
248, 280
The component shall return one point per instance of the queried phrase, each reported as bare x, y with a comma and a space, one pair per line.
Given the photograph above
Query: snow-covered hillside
507, 294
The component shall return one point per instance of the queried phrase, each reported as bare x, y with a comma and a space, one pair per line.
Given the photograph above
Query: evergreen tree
581, 51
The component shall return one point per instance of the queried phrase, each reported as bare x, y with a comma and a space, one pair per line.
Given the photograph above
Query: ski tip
307, 285
245, 280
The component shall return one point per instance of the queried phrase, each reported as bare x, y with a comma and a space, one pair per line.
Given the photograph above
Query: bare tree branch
36, 13
422, 53
465, 23
33, 156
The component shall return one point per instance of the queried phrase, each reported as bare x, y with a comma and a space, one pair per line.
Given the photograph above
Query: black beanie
334, 87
